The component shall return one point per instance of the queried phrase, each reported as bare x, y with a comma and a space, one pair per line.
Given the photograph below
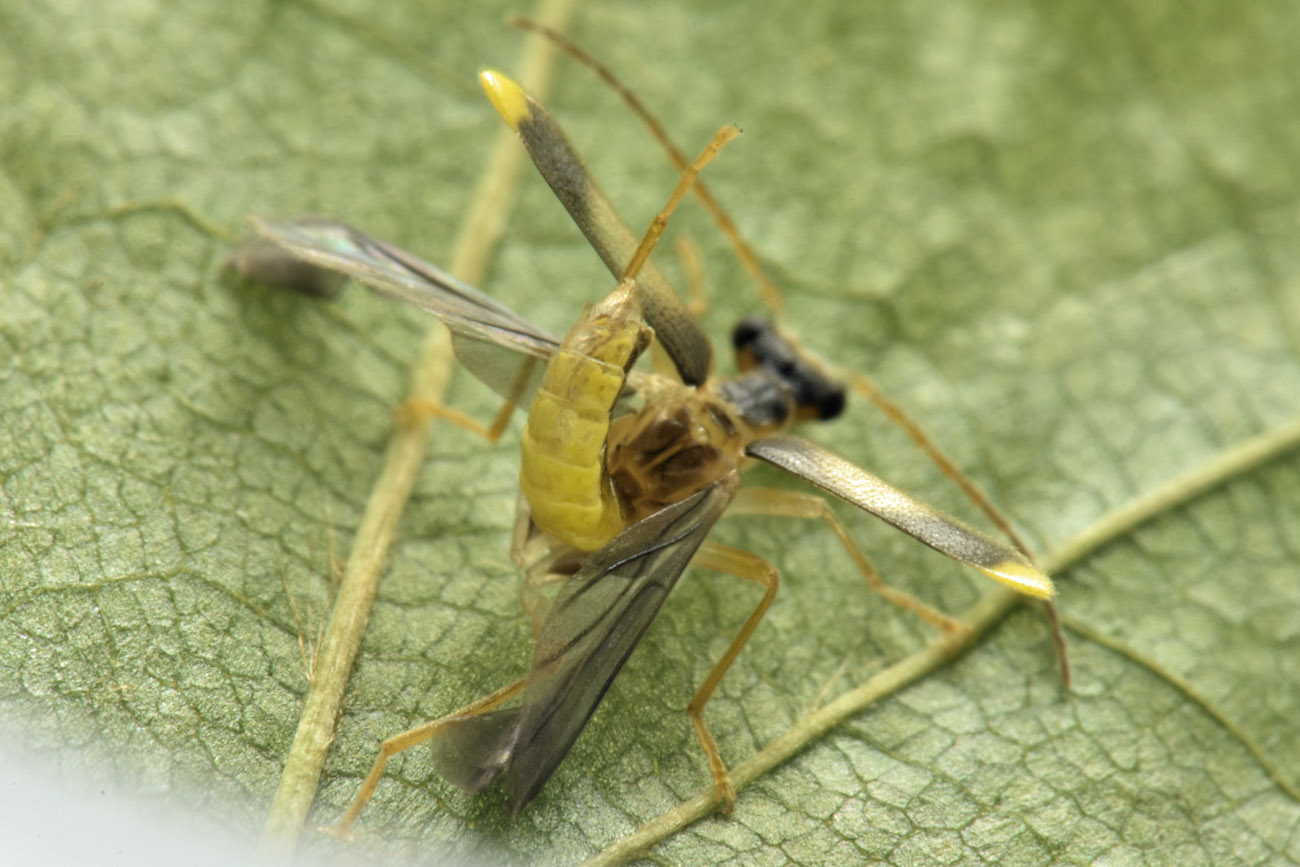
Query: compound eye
831, 403
749, 331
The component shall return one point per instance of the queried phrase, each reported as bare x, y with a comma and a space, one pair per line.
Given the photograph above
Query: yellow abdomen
562, 472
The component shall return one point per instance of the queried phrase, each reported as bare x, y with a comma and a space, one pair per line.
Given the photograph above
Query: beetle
623, 473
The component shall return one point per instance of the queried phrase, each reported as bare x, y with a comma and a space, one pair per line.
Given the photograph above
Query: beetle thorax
671, 449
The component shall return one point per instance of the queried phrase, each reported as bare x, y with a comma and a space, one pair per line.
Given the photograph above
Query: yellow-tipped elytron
624, 473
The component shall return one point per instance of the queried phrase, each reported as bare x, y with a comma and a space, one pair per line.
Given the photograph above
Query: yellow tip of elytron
1022, 578
507, 98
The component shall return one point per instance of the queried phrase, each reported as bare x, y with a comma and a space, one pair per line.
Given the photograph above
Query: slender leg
771, 298
535, 599
415, 737
751, 567
797, 504
528, 549
688, 253
767, 291
542, 563
867, 387
412, 410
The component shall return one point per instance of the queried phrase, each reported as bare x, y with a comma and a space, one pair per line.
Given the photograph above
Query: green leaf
1063, 236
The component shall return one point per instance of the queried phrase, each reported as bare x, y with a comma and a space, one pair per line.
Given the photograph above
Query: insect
623, 473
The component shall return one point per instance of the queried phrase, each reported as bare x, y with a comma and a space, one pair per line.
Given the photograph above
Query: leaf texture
1063, 236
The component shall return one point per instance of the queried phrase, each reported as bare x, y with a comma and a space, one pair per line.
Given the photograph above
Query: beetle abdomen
562, 472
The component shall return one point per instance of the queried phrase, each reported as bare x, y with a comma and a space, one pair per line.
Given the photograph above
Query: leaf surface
1063, 237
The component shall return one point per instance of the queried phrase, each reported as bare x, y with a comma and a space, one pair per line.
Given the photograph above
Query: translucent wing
598, 618
946, 535
256, 258
498, 346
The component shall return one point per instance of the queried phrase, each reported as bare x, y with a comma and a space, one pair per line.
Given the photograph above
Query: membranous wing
946, 535
599, 616
497, 345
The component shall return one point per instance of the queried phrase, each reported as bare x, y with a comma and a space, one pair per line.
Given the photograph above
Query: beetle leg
798, 504
867, 387
767, 291
688, 254
414, 411
751, 567
541, 562
412, 738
